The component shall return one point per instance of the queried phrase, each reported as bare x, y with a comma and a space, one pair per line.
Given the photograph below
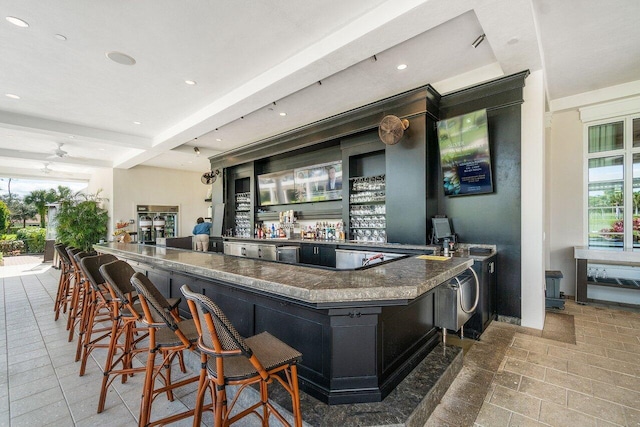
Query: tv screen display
319, 182
309, 184
464, 154
276, 188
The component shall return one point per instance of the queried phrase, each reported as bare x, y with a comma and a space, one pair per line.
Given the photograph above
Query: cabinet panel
327, 255
324, 255
308, 254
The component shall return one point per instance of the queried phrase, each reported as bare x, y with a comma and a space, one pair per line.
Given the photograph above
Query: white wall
533, 202
102, 180
566, 198
157, 186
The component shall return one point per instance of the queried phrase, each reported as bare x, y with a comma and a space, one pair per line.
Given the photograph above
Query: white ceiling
253, 60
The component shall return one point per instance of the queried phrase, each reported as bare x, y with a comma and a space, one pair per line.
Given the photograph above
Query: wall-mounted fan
209, 178
391, 129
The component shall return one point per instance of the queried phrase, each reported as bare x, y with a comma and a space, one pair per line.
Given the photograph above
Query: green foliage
40, 199
21, 211
34, 238
11, 247
81, 221
9, 237
5, 217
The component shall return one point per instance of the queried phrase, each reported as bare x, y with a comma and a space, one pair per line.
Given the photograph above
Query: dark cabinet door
324, 255
327, 255
308, 254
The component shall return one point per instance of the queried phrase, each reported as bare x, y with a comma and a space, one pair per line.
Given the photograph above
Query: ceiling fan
59, 152
46, 169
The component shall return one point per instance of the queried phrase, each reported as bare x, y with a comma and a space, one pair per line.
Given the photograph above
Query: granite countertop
402, 279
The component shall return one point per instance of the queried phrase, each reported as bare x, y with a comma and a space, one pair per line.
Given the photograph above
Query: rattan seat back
118, 275
91, 267
225, 337
61, 248
160, 308
71, 251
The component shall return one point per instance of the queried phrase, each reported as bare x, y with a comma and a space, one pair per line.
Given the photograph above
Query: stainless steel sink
354, 260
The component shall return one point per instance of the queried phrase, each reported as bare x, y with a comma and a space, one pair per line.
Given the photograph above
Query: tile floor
513, 376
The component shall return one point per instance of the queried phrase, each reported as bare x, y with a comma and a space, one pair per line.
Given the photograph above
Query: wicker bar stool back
60, 303
78, 293
97, 310
77, 317
169, 335
233, 360
125, 311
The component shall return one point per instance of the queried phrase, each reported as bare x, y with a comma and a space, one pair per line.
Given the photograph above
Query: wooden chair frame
216, 383
160, 314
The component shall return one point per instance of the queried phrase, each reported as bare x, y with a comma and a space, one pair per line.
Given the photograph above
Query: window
613, 183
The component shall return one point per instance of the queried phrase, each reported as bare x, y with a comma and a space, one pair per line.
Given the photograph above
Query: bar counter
403, 279
361, 332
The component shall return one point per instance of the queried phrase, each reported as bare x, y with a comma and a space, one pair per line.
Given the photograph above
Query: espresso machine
156, 221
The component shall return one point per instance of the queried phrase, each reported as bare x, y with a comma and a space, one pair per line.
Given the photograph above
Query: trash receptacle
552, 289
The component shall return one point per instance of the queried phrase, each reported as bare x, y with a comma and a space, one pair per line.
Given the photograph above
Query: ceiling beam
38, 125
47, 158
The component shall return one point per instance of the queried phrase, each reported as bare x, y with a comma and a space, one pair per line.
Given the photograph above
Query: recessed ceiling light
60, 37
12, 96
137, 123
17, 22
100, 149
120, 58
71, 136
283, 114
401, 66
190, 82
218, 139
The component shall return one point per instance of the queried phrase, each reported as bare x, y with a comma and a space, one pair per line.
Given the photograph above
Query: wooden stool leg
147, 389
107, 365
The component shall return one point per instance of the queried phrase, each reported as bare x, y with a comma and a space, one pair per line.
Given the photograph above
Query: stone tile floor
512, 376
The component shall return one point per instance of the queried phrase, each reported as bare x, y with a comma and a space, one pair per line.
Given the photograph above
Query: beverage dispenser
156, 221
158, 225
144, 224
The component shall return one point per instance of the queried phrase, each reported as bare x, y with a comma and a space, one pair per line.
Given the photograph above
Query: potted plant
82, 221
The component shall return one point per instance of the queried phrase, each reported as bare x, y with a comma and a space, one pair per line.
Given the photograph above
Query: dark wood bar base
361, 332
353, 352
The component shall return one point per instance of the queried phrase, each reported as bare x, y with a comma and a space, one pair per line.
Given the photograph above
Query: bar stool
97, 309
232, 360
169, 335
125, 312
77, 299
66, 272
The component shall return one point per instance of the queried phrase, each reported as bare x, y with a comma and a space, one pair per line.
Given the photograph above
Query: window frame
627, 152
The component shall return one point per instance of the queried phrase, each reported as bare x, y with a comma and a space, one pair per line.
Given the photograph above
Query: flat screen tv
276, 188
465, 158
314, 183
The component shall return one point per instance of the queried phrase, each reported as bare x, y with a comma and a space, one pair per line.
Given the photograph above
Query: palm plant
81, 221
40, 199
